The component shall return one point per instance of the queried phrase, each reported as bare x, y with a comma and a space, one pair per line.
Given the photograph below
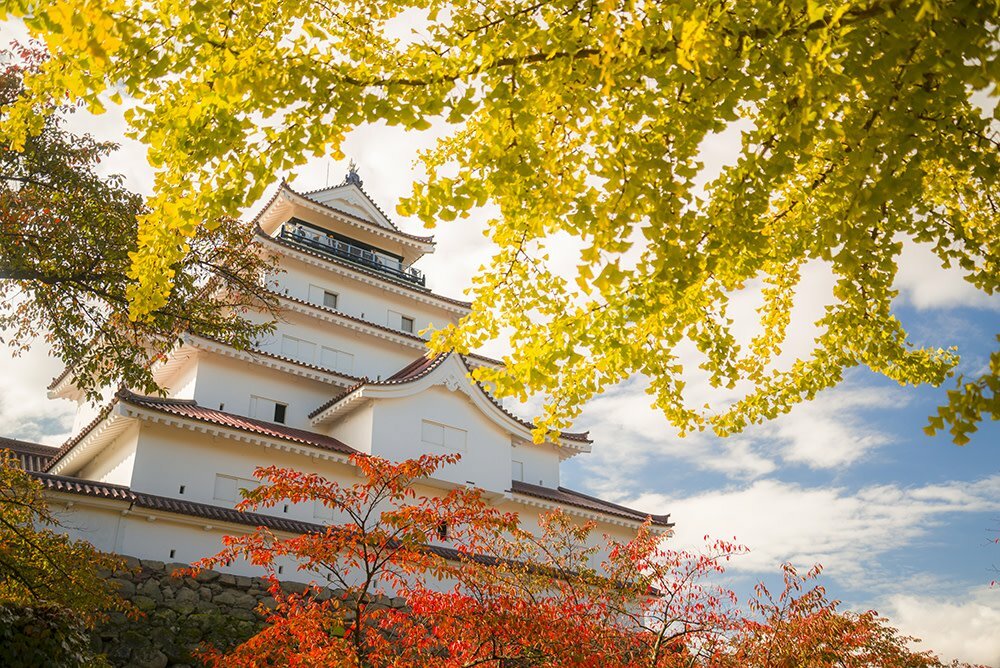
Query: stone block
144, 603
206, 606
131, 563
149, 657
126, 588
150, 588
243, 614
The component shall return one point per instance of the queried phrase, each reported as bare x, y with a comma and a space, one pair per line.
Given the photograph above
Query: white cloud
25, 411
847, 531
924, 283
966, 628
831, 432
828, 432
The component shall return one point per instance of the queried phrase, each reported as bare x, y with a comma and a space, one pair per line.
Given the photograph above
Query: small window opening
279, 412
285, 509
329, 299
281, 569
181, 489
407, 324
442, 531
222, 407
173, 553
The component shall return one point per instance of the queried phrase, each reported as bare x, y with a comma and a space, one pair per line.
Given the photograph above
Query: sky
902, 522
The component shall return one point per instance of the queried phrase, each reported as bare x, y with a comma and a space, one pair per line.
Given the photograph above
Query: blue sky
900, 520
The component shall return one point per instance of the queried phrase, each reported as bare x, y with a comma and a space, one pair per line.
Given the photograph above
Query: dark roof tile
571, 498
202, 510
189, 409
32, 456
365, 221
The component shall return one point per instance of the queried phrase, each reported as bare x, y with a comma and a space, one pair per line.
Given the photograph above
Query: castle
345, 371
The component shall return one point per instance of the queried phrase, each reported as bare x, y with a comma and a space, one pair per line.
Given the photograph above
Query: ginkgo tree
585, 120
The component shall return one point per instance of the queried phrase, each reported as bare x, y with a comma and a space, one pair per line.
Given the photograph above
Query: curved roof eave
423, 367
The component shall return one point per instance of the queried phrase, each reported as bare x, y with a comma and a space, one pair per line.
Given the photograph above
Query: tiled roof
58, 379
162, 503
33, 456
571, 498
341, 314
416, 369
282, 358
364, 192
205, 511
374, 325
362, 270
68, 445
365, 221
424, 365
189, 409
337, 397
581, 437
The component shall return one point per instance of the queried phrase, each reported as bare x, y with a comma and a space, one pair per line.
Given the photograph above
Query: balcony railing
329, 245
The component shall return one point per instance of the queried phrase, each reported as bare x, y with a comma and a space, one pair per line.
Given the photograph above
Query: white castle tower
345, 371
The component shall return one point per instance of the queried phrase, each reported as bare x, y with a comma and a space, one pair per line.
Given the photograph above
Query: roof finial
352, 174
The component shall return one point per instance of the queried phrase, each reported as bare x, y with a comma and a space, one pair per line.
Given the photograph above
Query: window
442, 531
397, 320
516, 470
267, 409
227, 487
337, 360
299, 349
443, 436
322, 296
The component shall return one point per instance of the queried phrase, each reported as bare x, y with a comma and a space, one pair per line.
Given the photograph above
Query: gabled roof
187, 408
420, 369
390, 231
33, 456
352, 185
358, 269
579, 500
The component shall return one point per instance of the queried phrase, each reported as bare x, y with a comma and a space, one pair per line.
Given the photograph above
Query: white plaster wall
230, 383
100, 527
114, 464
373, 357
355, 428
397, 435
529, 516
169, 457
86, 410
540, 463
360, 299
181, 383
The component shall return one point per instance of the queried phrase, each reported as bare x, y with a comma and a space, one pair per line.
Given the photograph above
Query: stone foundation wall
179, 614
